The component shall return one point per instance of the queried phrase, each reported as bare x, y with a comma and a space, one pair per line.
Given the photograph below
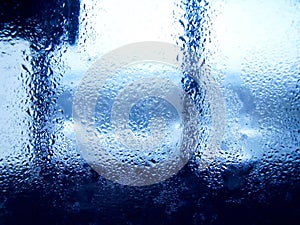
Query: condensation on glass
251, 50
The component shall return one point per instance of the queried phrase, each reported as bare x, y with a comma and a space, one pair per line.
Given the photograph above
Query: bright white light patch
243, 26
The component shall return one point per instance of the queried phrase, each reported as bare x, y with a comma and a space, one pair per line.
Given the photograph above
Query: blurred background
252, 49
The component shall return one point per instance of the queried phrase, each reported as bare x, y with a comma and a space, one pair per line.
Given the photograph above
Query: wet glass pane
150, 112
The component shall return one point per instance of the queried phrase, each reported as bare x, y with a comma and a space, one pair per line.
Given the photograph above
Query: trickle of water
252, 50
